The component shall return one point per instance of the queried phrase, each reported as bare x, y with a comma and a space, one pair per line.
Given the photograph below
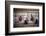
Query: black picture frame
7, 9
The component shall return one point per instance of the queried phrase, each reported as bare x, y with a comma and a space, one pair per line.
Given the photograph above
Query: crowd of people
26, 21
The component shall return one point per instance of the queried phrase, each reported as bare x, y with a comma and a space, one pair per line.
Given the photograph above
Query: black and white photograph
25, 17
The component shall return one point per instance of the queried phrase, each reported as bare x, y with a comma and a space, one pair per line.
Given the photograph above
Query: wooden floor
25, 25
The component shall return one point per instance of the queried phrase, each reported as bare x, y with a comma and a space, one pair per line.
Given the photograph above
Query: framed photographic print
24, 17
